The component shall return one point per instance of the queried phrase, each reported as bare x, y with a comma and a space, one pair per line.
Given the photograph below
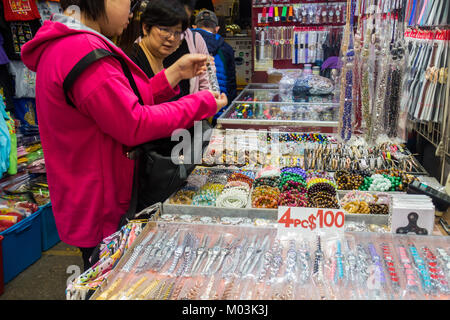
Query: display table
242, 263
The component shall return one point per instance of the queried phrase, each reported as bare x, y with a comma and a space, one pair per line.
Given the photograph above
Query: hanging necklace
365, 81
346, 101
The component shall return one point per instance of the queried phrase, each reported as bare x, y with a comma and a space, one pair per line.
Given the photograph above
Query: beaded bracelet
265, 190
240, 177
323, 200
349, 181
265, 201
291, 176
322, 187
357, 207
265, 197
293, 199
378, 208
313, 181
237, 184
232, 198
216, 187
267, 181
204, 200
295, 170
248, 173
358, 196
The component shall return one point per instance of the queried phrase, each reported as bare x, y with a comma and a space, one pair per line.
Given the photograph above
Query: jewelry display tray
269, 214
268, 96
418, 170
127, 279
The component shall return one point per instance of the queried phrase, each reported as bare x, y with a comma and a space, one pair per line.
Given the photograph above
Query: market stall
329, 138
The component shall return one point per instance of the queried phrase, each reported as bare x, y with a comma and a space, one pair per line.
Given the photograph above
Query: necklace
346, 97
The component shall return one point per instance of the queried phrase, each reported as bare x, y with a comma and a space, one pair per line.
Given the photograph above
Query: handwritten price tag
294, 219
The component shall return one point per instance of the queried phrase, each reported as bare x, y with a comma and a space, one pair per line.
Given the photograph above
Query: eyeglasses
167, 33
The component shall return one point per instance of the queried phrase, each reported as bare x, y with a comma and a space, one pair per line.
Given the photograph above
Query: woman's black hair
166, 13
189, 3
93, 9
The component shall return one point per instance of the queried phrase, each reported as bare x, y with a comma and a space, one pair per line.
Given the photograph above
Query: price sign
295, 219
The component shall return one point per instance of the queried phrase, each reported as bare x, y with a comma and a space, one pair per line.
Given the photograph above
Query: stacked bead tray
257, 195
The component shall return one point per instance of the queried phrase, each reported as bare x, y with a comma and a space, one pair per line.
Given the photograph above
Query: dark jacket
223, 55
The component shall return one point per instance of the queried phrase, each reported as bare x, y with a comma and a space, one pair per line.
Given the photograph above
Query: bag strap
76, 71
89, 59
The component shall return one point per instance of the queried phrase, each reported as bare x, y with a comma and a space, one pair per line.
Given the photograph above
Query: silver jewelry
277, 261
257, 255
223, 253
350, 265
248, 254
178, 253
163, 255
291, 262
304, 262
229, 270
266, 264
187, 255
200, 254
212, 255
137, 250
192, 257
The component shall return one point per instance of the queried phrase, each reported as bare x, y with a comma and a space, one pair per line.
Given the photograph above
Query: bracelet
347, 181
323, 200
265, 202
294, 170
357, 207
267, 181
265, 197
322, 187
266, 191
358, 196
204, 200
232, 198
378, 208
293, 199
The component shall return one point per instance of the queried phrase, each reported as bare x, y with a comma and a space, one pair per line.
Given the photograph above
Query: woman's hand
187, 67
221, 99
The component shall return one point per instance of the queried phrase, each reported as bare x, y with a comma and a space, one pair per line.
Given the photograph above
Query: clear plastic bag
25, 80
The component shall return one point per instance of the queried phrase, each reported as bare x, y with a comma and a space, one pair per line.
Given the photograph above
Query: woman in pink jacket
89, 176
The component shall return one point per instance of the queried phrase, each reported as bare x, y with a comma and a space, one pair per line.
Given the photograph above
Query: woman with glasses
163, 37
85, 132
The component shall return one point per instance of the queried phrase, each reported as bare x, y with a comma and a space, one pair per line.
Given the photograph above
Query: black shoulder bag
156, 177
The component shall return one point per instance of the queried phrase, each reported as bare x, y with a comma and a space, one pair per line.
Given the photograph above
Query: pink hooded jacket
89, 178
